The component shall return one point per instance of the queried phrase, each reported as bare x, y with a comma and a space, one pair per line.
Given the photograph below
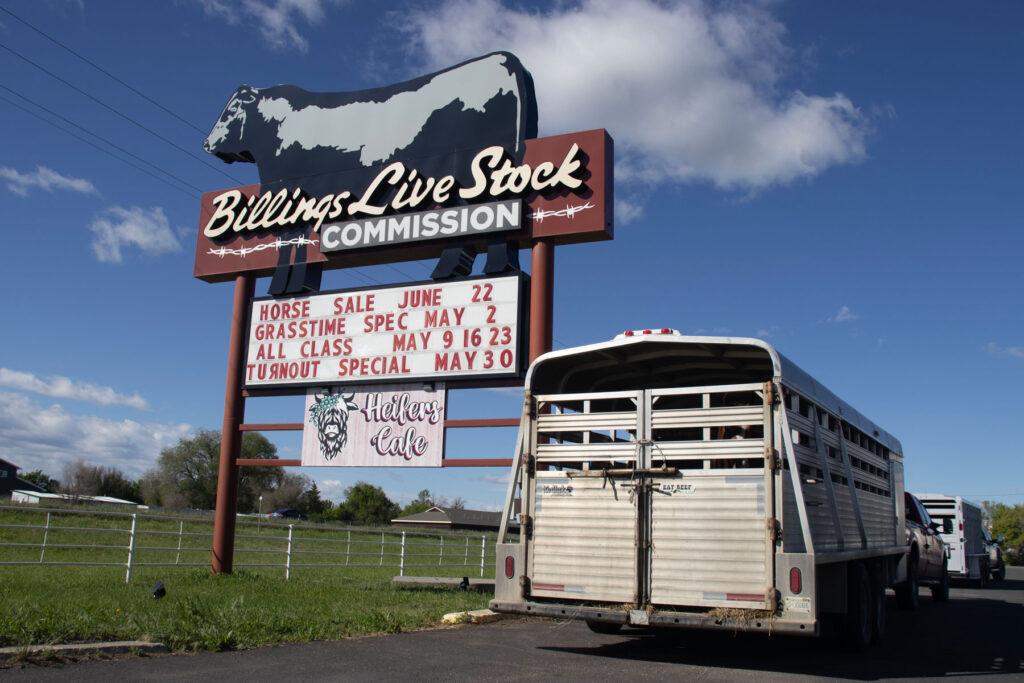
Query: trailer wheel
860, 617
940, 591
983, 574
999, 574
906, 592
604, 627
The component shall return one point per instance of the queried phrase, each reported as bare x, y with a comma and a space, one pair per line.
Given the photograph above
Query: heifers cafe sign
424, 331
397, 426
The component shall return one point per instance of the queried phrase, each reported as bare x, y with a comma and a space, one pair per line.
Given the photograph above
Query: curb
115, 647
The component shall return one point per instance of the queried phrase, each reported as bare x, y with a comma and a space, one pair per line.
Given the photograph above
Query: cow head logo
329, 413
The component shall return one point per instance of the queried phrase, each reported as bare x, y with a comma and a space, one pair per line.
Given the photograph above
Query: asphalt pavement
979, 632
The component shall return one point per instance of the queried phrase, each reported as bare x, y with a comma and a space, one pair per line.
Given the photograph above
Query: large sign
398, 426
426, 331
564, 184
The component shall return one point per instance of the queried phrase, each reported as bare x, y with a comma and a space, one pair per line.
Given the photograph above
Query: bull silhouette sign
424, 149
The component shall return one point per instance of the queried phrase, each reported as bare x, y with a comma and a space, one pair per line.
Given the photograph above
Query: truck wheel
940, 591
906, 592
860, 617
604, 627
999, 574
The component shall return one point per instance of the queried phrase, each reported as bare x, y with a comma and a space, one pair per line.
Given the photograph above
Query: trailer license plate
798, 605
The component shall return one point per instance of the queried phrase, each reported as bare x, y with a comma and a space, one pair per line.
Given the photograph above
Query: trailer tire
983, 574
940, 591
860, 618
607, 628
906, 592
999, 574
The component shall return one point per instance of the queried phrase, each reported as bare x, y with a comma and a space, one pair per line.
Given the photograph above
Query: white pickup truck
699, 482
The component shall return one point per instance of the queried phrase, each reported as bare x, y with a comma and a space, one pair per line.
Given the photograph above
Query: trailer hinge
771, 598
529, 464
769, 393
771, 457
526, 524
524, 583
774, 529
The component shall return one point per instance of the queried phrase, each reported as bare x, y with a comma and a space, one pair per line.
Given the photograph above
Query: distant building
10, 481
450, 519
36, 497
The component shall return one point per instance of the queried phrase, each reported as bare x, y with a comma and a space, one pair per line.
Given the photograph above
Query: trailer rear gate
654, 496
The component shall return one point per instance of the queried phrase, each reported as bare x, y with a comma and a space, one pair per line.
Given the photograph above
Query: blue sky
840, 179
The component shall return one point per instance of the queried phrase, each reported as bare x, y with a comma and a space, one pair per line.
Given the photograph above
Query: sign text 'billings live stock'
271, 211
465, 328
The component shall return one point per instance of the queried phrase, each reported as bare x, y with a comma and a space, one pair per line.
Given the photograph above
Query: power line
102, 70
98, 137
115, 111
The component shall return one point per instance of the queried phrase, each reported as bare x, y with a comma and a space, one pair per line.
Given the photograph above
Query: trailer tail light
641, 333
796, 581
510, 566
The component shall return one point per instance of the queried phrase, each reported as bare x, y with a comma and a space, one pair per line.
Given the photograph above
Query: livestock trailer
699, 482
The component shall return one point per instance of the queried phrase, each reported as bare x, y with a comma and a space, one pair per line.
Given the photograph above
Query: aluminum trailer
699, 482
960, 523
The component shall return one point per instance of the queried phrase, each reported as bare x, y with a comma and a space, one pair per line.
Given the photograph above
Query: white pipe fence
305, 545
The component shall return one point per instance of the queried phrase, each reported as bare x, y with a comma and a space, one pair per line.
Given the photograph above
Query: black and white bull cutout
328, 142
329, 414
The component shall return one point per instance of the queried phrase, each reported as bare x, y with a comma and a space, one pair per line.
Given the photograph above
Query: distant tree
83, 479
1008, 522
44, 481
186, 473
366, 504
312, 504
288, 493
458, 504
423, 502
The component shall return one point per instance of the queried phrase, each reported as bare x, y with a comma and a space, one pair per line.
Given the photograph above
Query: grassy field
41, 604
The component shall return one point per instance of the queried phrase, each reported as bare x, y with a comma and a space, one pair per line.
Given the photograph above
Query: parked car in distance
926, 556
995, 555
288, 514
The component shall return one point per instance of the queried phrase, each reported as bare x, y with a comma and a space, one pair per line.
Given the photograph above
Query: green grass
44, 604
47, 604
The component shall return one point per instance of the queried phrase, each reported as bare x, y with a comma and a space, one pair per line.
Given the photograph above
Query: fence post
46, 533
465, 560
382, 549
181, 528
483, 548
288, 559
348, 547
131, 551
440, 557
401, 560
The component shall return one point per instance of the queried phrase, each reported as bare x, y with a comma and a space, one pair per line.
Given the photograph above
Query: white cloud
627, 211
278, 20
62, 387
46, 438
1012, 351
44, 179
844, 315
689, 90
116, 227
